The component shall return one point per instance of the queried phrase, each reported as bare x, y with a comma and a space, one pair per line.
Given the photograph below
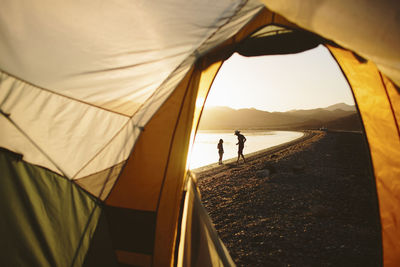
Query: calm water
205, 147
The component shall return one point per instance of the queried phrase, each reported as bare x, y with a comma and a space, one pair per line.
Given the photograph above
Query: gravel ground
308, 203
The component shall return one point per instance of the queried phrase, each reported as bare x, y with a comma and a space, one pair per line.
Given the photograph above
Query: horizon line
295, 109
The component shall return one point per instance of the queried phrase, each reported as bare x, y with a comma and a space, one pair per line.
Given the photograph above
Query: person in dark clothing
220, 150
241, 140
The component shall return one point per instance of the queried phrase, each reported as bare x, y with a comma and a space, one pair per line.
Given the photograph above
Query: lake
205, 150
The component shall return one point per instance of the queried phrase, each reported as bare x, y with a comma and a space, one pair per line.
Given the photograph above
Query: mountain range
335, 117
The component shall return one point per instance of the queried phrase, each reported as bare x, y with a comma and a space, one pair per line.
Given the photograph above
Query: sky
306, 80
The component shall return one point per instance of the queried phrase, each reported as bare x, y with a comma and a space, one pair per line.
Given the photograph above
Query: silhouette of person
220, 147
241, 140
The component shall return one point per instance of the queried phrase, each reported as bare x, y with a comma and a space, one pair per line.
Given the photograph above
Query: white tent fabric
368, 27
48, 128
79, 80
120, 53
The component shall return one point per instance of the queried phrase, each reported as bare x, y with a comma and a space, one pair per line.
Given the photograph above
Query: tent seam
104, 147
84, 233
172, 141
62, 95
7, 116
238, 8
134, 65
391, 106
169, 153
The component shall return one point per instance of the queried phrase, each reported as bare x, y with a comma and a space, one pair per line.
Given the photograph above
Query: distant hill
341, 106
339, 116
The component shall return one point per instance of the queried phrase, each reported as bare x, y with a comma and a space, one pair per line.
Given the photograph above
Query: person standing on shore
220, 150
241, 140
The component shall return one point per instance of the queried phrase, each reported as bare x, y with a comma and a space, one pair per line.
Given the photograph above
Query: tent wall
378, 100
46, 220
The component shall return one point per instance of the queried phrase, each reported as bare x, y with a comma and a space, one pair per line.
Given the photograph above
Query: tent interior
96, 122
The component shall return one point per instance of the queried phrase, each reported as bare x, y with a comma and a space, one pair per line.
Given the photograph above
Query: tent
100, 101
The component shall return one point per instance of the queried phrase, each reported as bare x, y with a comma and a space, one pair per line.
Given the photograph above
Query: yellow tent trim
379, 121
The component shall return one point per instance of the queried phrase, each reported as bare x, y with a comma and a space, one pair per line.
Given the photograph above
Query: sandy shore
310, 202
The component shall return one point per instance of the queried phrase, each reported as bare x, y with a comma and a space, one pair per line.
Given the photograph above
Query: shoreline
307, 134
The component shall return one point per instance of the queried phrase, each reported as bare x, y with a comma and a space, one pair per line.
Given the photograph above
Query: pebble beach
309, 202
